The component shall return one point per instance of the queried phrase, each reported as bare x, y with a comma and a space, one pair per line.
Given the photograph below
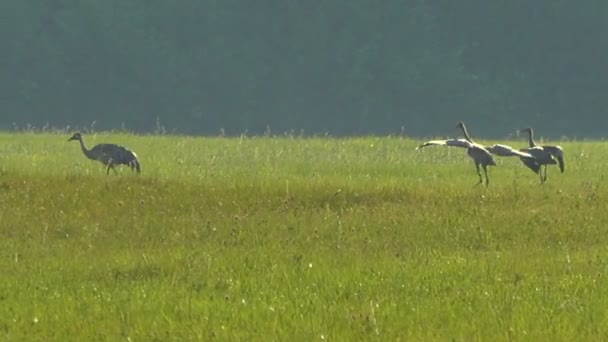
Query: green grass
305, 239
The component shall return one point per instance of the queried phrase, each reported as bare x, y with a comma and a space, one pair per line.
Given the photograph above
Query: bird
480, 155
544, 154
110, 155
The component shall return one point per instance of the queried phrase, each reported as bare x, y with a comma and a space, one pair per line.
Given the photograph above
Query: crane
110, 155
544, 154
480, 155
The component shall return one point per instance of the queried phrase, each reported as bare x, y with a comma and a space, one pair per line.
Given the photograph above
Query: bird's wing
118, 153
538, 153
105, 149
507, 151
531, 163
449, 142
124, 155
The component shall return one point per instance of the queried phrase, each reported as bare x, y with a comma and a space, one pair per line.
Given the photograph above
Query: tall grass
310, 239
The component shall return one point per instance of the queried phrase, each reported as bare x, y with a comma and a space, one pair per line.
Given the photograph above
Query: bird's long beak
72, 138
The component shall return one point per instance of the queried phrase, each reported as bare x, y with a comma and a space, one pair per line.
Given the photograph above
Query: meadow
276, 238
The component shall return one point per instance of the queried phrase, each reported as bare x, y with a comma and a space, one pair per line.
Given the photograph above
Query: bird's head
523, 130
76, 136
460, 124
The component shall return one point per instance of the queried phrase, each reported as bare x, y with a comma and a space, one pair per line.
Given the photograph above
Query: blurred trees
341, 66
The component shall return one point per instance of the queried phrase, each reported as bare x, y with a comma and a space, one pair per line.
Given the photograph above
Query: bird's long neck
84, 149
466, 133
531, 138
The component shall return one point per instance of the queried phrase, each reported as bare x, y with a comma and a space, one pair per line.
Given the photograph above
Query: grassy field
306, 239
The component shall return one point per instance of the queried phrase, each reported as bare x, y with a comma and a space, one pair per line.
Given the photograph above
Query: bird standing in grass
110, 155
480, 155
544, 155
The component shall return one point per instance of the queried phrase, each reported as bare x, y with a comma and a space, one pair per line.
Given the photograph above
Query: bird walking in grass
544, 155
110, 155
480, 155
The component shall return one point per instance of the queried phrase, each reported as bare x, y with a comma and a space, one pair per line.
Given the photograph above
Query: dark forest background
343, 67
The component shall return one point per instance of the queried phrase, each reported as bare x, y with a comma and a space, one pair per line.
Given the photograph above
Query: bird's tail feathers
135, 165
560, 161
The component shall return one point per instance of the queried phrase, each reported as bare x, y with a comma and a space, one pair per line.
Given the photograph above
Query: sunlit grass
311, 239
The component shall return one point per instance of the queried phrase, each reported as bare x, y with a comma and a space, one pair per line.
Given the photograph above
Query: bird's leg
545, 176
485, 170
111, 166
479, 173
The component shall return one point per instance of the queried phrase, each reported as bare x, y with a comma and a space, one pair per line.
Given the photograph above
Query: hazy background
345, 67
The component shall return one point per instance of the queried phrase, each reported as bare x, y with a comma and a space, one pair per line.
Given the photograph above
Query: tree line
342, 67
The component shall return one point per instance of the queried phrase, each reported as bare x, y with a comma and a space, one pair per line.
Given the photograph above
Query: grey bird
110, 155
480, 155
543, 154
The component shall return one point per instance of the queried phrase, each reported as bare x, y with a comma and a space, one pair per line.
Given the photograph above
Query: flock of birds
535, 157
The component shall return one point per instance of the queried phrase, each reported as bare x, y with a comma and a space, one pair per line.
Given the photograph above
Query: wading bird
110, 155
544, 154
480, 155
